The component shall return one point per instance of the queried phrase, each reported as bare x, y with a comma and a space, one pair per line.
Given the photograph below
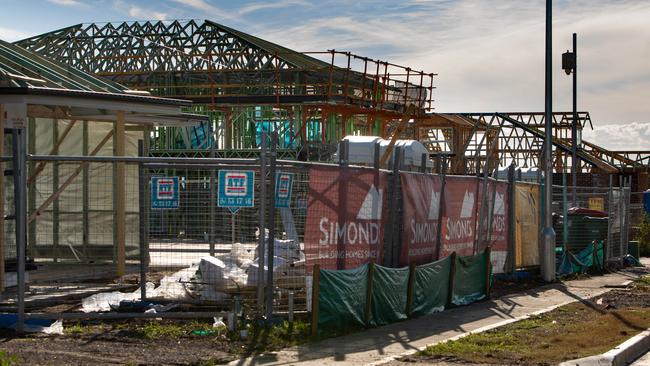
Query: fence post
395, 242
621, 218
212, 200
271, 221
261, 247
409, 289
143, 218
423, 163
488, 266
610, 221
315, 293
377, 156
371, 273
443, 176
452, 274
510, 259
20, 213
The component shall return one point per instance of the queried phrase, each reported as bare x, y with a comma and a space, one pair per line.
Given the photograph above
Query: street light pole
548, 234
574, 126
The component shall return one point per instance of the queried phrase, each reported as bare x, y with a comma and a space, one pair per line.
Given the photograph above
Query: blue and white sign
283, 188
164, 193
235, 189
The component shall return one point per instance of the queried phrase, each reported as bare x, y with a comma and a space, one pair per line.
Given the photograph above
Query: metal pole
20, 201
212, 200
262, 228
574, 126
271, 243
548, 248
143, 231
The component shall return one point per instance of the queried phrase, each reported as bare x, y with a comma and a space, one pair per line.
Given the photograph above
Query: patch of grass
78, 329
572, 331
7, 359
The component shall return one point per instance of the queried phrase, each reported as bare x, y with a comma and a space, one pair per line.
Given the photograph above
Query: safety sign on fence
236, 189
283, 188
164, 193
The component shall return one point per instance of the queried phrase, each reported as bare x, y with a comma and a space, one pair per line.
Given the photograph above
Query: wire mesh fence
191, 229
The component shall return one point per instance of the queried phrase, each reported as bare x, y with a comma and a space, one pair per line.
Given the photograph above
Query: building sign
164, 193
283, 188
235, 189
345, 217
596, 203
15, 115
420, 217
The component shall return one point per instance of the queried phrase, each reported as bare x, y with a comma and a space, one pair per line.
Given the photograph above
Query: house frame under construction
248, 85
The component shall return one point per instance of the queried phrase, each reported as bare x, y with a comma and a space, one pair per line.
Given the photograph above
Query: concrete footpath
380, 345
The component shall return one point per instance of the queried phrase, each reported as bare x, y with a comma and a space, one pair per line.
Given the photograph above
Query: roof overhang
97, 106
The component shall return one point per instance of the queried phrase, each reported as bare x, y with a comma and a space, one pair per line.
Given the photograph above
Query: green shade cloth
470, 279
389, 292
431, 287
342, 297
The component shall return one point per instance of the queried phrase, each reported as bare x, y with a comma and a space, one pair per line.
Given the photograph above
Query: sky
488, 54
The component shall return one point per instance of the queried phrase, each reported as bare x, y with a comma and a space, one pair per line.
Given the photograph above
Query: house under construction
248, 85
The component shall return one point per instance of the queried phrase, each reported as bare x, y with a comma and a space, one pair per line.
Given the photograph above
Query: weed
7, 359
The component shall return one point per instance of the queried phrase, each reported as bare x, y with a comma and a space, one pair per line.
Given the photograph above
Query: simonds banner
345, 217
459, 216
421, 209
497, 233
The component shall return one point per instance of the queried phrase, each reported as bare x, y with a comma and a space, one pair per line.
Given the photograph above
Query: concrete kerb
622, 354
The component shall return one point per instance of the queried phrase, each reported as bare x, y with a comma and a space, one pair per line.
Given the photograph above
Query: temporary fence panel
345, 217
342, 297
471, 277
493, 227
422, 209
459, 218
527, 200
389, 295
431, 287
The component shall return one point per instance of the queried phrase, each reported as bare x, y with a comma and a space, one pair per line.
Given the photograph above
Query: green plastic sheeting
470, 279
342, 297
570, 263
431, 287
389, 291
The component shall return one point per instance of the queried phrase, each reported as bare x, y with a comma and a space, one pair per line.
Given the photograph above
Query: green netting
431, 287
389, 291
470, 279
342, 297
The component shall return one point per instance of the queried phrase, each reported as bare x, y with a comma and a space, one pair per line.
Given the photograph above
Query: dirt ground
572, 331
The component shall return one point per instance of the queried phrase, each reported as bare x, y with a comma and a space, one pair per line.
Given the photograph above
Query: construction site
209, 172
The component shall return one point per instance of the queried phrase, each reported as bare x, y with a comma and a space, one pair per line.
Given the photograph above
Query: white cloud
199, 5
138, 12
11, 35
271, 5
66, 2
631, 136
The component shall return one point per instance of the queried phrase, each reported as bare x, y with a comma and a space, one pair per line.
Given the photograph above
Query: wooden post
409, 289
371, 272
315, 293
120, 199
2, 201
488, 266
452, 273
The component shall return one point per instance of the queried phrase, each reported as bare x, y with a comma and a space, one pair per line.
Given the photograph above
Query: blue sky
489, 54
